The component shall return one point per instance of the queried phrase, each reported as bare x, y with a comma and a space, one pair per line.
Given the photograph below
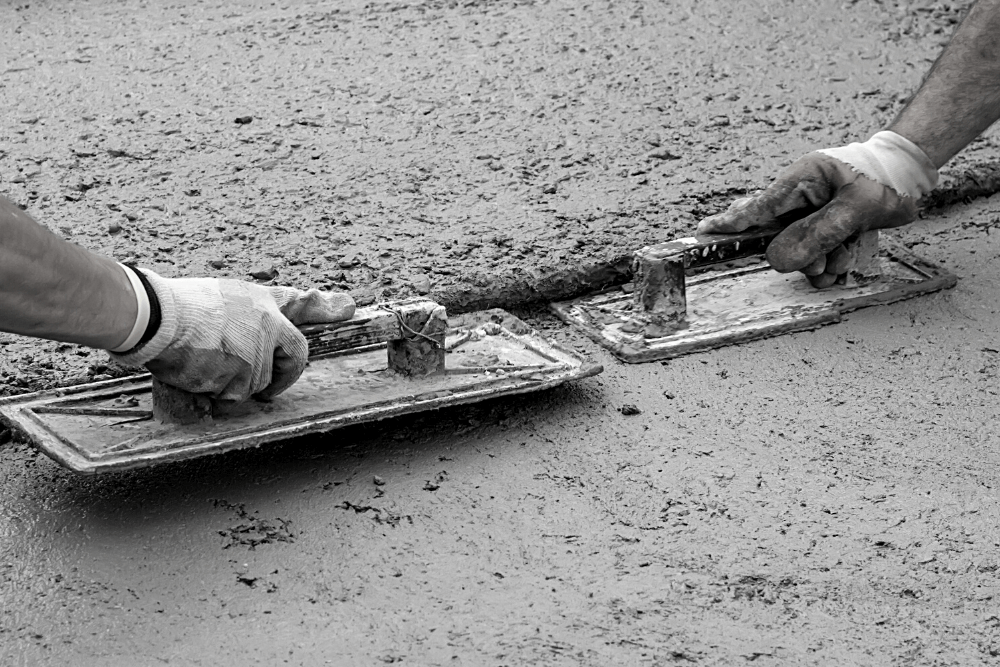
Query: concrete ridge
555, 282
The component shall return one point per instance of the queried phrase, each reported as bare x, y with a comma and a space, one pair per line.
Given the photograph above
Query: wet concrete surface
825, 497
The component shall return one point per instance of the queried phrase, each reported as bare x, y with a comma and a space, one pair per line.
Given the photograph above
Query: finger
238, 375
823, 280
200, 371
313, 306
287, 363
740, 216
839, 261
816, 235
816, 268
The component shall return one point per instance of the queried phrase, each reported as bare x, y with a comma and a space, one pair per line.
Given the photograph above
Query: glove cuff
142, 311
891, 160
166, 331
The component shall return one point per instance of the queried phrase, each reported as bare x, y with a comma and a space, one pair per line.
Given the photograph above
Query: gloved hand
832, 195
230, 339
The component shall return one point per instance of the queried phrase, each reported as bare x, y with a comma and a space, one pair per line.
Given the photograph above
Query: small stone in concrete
549, 189
114, 228
217, 263
264, 273
244, 120
628, 410
422, 284
662, 154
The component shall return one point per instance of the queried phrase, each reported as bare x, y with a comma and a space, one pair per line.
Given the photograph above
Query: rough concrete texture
819, 498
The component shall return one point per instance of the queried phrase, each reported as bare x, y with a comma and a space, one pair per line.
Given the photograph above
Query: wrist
892, 160
141, 312
148, 312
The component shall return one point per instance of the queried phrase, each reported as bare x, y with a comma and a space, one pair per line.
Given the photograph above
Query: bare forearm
960, 97
50, 288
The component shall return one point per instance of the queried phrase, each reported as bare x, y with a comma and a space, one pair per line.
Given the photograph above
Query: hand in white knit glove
825, 199
230, 339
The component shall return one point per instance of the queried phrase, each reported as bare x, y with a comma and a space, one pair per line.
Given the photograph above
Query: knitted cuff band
148, 315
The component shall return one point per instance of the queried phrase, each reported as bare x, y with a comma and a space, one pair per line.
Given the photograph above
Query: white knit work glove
230, 339
826, 198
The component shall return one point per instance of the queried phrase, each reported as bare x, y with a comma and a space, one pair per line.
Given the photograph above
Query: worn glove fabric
230, 339
823, 203
892, 160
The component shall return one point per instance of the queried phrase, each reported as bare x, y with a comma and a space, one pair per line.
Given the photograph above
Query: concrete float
388, 360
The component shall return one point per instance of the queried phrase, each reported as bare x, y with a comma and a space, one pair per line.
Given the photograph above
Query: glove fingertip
786, 257
839, 261
281, 380
815, 268
287, 365
340, 306
722, 223
823, 280
316, 307
707, 226
742, 214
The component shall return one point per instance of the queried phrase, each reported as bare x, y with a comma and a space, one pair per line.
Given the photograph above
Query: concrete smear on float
819, 498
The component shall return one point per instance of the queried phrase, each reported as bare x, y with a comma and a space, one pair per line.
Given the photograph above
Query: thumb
290, 356
742, 214
313, 306
803, 185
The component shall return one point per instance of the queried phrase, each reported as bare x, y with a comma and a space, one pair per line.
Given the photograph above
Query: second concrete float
703, 292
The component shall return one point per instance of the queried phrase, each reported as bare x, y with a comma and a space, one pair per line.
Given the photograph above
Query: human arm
960, 96
226, 339
827, 197
51, 288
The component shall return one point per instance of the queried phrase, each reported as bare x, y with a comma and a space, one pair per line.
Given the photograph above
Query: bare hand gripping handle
414, 331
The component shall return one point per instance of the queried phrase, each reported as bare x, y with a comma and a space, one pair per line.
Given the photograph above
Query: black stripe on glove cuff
154, 310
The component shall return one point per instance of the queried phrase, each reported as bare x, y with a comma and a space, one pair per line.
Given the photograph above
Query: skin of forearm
51, 288
960, 97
